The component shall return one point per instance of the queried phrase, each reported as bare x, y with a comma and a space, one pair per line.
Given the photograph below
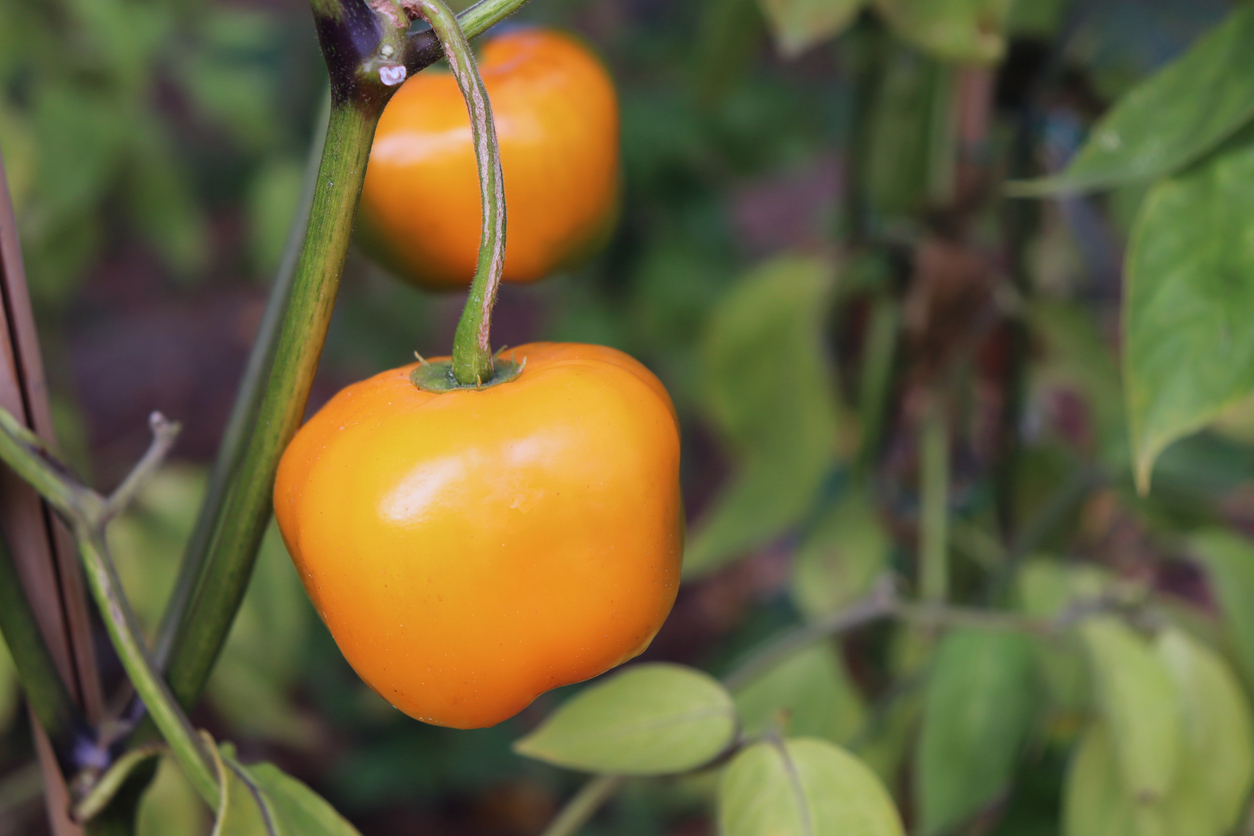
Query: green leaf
803, 787
800, 24
261, 800
1094, 800
977, 713
1173, 118
170, 805
1139, 700
1189, 303
968, 31
1045, 589
647, 720
840, 557
769, 390
1217, 757
1229, 562
809, 691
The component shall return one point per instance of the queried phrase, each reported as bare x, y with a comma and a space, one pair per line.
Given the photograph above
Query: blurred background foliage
155, 153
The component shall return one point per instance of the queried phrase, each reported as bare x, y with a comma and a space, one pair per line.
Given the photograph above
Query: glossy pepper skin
472, 549
556, 116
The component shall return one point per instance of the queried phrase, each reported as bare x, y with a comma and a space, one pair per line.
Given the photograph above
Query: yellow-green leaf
261, 800
1094, 800
803, 787
646, 720
769, 388
978, 710
809, 693
1189, 303
840, 557
1139, 701
1217, 756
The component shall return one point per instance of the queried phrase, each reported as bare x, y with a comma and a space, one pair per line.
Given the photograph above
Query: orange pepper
472, 549
556, 116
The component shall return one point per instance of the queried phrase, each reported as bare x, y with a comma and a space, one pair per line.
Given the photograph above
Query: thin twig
164, 434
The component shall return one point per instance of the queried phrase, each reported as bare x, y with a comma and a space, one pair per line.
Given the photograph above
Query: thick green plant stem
87, 514
934, 505
246, 509
45, 691
472, 346
247, 402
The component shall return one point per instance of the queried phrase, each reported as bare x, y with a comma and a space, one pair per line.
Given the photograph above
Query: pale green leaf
800, 24
1139, 700
1217, 757
978, 710
769, 390
967, 31
261, 800
646, 720
1229, 562
1189, 303
241, 811
1094, 800
803, 787
809, 694
840, 557
301, 811
171, 805
1174, 117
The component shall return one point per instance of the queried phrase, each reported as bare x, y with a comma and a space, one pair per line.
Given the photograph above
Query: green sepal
437, 375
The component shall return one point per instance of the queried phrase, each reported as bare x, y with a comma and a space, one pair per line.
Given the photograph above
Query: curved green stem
584, 805
423, 48
472, 347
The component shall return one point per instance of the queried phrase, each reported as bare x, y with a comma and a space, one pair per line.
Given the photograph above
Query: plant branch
87, 513
472, 346
164, 433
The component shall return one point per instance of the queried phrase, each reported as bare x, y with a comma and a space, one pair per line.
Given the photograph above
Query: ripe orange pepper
472, 549
556, 116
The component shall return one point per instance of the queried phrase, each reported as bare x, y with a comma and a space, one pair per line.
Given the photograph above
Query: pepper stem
472, 347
